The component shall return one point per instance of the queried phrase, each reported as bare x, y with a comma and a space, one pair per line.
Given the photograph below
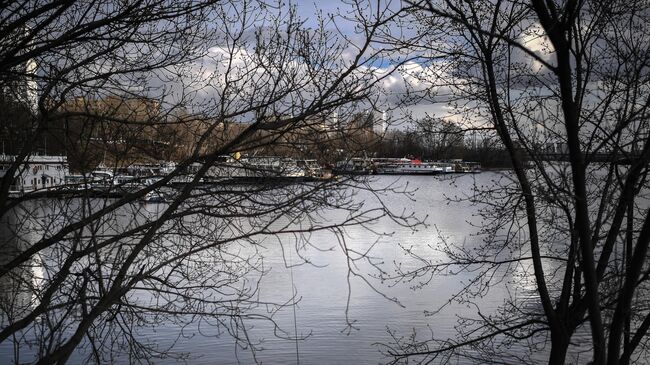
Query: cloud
535, 40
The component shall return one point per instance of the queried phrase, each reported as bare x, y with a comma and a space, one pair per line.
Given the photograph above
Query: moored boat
411, 167
313, 170
354, 166
35, 173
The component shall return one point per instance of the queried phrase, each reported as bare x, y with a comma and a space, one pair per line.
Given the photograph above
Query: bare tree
136, 81
564, 85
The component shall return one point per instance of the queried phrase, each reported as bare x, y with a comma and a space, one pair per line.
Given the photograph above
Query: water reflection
20, 289
343, 307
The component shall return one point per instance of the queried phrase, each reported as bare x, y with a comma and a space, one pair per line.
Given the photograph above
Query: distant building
380, 124
373, 121
19, 84
22, 86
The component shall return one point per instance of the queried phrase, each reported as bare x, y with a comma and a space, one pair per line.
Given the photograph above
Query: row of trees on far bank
441, 140
129, 130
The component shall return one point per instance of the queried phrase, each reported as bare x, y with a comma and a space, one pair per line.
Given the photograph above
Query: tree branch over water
118, 84
564, 86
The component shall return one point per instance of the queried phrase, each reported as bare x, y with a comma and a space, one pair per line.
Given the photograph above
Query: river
345, 313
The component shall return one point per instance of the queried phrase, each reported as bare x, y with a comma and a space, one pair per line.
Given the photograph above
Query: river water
345, 313
324, 291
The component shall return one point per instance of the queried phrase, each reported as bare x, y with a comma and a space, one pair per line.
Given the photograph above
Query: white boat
104, 181
35, 173
78, 182
354, 166
228, 167
289, 168
412, 167
313, 170
154, 197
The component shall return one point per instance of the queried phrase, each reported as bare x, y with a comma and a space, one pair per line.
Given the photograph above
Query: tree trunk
559, 347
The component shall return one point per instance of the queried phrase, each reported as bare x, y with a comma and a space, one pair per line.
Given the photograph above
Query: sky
395, 84
412, 76
392, 87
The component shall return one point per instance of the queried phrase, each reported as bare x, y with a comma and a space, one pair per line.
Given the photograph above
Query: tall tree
208, 79
564, 84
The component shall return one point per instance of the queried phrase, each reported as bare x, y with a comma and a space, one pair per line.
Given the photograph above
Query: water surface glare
344, 318
322, 288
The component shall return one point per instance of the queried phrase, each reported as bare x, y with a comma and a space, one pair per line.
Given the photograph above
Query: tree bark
559, 347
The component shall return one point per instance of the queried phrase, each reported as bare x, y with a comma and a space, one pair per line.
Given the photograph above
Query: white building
380, 123
20, 83
36, 172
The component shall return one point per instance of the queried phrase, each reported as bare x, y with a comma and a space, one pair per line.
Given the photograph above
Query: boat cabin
36, 172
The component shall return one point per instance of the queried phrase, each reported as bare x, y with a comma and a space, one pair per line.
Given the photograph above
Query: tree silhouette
571, 78
130, 82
